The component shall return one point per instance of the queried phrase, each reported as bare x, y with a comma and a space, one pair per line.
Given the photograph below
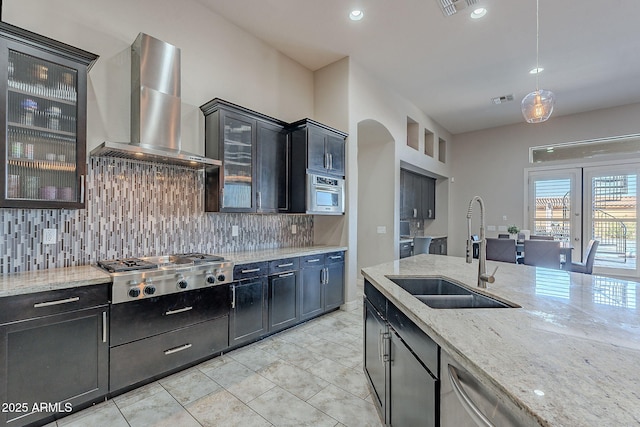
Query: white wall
218, 60
490, 163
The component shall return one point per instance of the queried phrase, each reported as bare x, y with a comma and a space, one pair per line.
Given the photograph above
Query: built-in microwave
325, 195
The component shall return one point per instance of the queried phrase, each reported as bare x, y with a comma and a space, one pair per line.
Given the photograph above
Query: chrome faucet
483, 277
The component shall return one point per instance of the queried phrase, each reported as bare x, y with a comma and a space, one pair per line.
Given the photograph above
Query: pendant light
538, 105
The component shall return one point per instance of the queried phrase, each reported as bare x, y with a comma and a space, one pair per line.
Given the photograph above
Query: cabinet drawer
424, 347
21, 307
149, 358
376, 298
254, 269
281, 265
312, 260
333, 257
153, 316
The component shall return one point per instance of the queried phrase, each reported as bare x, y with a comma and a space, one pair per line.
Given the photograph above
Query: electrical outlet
294, 229
382, 229
504, 217
49, 236
234, 231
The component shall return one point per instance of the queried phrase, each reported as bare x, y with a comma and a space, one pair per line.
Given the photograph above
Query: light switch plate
234, 231
382, 229
49, 236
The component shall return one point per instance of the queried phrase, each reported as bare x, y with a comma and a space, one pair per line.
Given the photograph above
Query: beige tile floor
310, 375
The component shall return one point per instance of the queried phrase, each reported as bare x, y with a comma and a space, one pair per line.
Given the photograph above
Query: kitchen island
568, 356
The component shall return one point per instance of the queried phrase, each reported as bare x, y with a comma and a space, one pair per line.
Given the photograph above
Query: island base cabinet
413, 392
60, 361
375, 359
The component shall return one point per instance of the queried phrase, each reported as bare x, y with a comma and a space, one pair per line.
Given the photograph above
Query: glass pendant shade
538, 106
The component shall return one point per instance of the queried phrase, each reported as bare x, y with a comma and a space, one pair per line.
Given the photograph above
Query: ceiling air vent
450, 7
502, 99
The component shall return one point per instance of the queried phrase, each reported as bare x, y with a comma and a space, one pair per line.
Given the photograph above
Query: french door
576, 205
611, 195
554, 206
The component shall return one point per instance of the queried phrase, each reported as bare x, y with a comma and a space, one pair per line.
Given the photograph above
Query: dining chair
586, 267
421, 245
542, 253
501, 250
540, 237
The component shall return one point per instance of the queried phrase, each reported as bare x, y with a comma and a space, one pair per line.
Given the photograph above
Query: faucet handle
491, 277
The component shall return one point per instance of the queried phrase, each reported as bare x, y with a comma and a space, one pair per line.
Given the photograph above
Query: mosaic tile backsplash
138, 209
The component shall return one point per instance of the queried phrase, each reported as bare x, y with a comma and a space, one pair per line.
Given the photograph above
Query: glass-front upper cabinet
44, 120
238, 140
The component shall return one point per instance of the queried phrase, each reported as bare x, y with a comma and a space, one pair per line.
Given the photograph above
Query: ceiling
451, 67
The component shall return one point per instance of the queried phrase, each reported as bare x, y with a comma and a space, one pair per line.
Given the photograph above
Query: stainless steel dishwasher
464, 401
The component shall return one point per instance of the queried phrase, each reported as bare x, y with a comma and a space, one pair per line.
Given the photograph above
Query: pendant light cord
537, 43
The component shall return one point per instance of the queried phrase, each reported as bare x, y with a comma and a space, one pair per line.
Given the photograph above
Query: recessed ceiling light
478, 13
356, 15
536, 70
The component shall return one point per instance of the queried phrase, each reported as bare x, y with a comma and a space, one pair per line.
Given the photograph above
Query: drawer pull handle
289, 264
286, 274
335, 257
50, 303
177, 349
252, 270
180, 310
313, 260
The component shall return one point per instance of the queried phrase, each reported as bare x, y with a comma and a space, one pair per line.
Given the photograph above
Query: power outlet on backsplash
49, 236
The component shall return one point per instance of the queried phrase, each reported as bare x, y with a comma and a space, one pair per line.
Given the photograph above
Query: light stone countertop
71, 277
576, 337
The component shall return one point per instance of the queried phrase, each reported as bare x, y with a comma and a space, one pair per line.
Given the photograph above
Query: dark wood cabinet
57, 353
417, 196
317, 148
322, 283
255, 154
249, 317
43, 94
283, 300
401, 364
438, 246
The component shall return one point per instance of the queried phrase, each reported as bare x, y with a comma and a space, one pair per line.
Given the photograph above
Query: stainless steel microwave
325, 195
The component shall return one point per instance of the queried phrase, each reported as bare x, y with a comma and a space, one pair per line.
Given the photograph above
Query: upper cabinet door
335, 152
238, 150
316, 151
43, 116
325, 149
273, 162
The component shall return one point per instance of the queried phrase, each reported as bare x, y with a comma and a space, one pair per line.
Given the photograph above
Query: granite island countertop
569, 355
86, 275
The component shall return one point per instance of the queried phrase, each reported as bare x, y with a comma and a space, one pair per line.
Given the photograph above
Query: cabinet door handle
58, 302
429, 213
177, 349
466, 401
180, 310
386, 338
326, 276
233, 296
104, 326
286, 274
252, 270
322, 276
259, 201
415, 213
326, 161
330, 161
81, 188
289, 264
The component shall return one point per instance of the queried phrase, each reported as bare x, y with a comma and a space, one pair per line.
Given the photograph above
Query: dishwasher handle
466, 401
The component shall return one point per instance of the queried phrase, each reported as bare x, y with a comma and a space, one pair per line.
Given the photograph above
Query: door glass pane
613, 220
237, 164
41, 130
552, 204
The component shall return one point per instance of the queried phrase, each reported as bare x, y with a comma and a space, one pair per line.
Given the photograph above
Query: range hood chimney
155, 108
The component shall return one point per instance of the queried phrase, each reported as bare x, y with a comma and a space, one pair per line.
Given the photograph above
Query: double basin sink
438, 292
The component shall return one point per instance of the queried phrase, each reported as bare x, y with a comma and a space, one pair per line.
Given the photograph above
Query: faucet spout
483, 278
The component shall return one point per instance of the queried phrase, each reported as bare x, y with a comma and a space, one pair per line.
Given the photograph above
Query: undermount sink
437, 292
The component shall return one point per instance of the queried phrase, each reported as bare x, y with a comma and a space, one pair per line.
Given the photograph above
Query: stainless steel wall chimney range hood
155, 108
